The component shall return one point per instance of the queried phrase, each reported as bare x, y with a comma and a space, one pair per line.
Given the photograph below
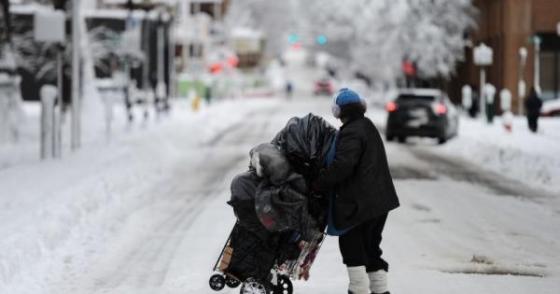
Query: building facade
508, 26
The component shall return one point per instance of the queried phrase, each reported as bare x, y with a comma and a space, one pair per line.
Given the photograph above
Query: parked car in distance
323, 87
421, 113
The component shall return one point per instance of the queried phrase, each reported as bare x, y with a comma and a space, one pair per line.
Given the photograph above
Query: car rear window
415, 97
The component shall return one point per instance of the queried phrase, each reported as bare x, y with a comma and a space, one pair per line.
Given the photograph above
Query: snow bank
52, 209
530, 158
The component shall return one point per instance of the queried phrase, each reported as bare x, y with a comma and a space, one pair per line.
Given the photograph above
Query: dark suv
421, 113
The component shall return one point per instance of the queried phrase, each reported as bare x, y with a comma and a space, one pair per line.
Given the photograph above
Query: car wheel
442, 140
389, 137
402, 139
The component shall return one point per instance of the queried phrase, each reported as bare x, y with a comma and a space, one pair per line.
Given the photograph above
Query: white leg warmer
359, 281
378, 282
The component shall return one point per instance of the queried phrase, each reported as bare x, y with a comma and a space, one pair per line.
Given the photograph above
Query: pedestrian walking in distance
533, 104
289, 89
364, 194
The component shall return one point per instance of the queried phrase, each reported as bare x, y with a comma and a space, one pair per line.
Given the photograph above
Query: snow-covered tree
381, 34
373, 37
273, 18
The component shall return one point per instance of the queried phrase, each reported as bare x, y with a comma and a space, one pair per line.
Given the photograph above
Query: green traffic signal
293, 38
322, 40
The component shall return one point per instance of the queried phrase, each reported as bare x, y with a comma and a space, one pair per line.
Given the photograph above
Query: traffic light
321, 40
293, 38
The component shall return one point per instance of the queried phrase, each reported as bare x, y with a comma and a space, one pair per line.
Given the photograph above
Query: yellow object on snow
196, 103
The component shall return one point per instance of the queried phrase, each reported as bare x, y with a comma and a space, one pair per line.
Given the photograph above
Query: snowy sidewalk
56, 211
531, 158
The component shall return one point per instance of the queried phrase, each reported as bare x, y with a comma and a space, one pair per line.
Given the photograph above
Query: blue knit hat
346, 97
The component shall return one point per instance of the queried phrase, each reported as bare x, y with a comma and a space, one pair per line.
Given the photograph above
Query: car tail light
391, 106
440, 108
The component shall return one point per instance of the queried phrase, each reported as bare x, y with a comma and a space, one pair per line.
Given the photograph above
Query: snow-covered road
164, 217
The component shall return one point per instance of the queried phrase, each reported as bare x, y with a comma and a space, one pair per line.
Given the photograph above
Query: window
549, 74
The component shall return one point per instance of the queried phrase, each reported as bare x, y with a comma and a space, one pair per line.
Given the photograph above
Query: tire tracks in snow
147, 265
463, 171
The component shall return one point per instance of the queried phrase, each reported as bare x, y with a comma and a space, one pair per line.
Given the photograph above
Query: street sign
483, 55
49, 26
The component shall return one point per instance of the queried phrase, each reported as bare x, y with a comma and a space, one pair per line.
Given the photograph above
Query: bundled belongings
280, 225
306, 142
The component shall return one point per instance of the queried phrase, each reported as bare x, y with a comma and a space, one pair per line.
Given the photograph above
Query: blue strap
331, 229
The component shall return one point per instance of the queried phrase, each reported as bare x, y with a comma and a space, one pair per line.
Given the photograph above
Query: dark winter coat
359, 175
533, 104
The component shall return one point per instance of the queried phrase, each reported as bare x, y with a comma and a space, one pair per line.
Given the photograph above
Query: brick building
507, 26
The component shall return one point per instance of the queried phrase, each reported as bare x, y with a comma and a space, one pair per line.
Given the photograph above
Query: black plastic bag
243, 192
306, 141
285, 208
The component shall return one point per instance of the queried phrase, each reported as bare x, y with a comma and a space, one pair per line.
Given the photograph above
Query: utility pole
59, 5
75, 136
160, 86
128, 25
537, 70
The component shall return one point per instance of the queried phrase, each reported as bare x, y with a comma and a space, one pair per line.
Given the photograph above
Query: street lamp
483, 56
75, 138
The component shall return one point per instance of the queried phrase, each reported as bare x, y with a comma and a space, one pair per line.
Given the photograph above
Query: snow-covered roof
420, 92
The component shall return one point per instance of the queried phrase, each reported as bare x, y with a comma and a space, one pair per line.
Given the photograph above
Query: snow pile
551, 107
50, 210
521, 155
530, 158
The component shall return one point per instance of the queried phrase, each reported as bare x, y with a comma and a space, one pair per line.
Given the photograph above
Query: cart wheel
232, 283
284, 286
250, 286
217, 282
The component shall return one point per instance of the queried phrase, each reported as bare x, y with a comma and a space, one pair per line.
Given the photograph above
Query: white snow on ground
528, 157
142, 217
531, 158
56, 211
146, 211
